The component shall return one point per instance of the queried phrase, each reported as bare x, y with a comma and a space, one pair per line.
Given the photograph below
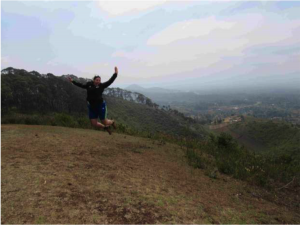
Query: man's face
97, 81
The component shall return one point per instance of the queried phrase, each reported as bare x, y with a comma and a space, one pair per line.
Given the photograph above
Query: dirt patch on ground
63, 175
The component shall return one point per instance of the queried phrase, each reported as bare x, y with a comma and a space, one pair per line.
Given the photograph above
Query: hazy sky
180, 44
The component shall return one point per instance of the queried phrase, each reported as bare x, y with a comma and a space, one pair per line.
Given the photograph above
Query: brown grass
63, 175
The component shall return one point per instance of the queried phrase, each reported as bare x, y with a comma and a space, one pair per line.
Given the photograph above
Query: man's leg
93, 115
107, 122
103, 116
95, 123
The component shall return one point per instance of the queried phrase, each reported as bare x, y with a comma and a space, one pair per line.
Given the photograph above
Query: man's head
97, 80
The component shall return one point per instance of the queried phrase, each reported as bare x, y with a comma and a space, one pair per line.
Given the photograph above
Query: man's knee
105, 121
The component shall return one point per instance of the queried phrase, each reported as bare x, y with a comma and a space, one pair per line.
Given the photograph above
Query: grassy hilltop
64, 175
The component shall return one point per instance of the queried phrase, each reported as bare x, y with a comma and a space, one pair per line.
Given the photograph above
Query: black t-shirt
94, 93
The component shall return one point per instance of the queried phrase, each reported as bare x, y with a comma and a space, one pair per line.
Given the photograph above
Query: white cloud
117, 8
211, 45
189, 29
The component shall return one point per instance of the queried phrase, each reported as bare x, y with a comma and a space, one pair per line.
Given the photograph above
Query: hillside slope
64, 175
153, 120
266, 136
31, 93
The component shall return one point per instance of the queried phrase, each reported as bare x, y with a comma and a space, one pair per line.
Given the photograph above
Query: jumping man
96, 105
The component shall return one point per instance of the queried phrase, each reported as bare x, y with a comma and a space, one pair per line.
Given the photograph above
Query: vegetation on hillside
276, 163
277, 137
268, 170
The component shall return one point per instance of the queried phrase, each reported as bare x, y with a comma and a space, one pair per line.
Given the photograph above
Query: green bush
194, 159
65, 120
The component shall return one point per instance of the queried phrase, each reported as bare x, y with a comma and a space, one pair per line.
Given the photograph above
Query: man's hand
116, 70
70, 79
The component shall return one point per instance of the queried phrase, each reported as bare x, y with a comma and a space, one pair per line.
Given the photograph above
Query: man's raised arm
112, 79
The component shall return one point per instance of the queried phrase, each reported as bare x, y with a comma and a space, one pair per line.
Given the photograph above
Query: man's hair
96, 76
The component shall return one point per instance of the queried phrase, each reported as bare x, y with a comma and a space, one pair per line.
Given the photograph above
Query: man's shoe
114, 125
107, 128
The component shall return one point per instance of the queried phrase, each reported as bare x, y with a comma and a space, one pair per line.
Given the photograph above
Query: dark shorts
99, 111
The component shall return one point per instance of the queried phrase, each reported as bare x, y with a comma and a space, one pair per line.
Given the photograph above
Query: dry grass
63, 175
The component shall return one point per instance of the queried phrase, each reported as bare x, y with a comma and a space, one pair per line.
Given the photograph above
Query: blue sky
182, 45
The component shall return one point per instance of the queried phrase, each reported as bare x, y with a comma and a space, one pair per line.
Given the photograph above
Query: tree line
28, 92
